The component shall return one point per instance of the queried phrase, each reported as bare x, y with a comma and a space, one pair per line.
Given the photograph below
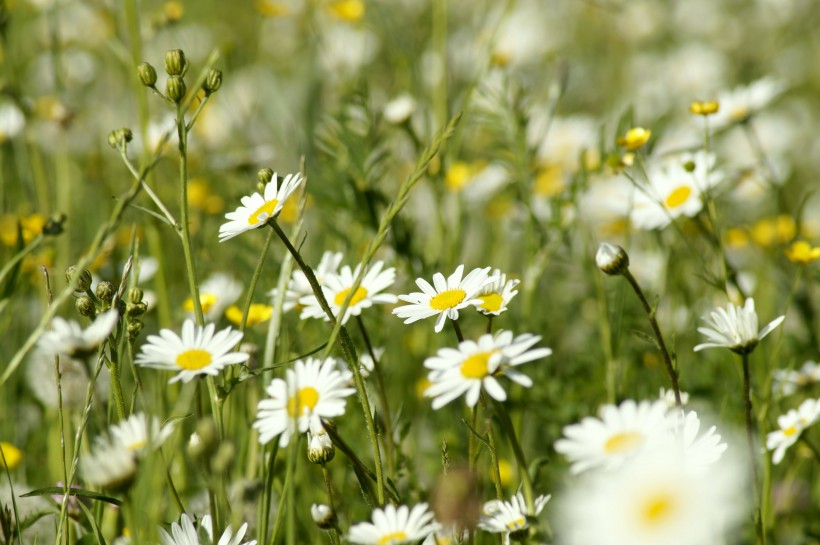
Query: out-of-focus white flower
509, 517
400, 109
742, 102
12, 120
70, 339
791, 425
216, 294
788, 381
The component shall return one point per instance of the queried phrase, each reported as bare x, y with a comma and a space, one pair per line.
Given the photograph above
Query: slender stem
190, 266
506, 424
264, 505
334, 535
457, 329
259, 264
116, 385
30, 247
471, 457
667, 360
750, 436
389, 445
349, 352
488, 424
489, 324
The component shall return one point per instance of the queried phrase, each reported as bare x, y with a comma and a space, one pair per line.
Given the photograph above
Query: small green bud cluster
120, 138
135, 307
264, 176
176, 66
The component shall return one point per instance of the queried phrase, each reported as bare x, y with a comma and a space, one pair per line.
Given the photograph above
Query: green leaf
79, 492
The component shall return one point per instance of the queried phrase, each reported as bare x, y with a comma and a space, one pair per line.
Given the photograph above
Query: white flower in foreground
616, 437
336, 288
216, 294
742, 102
476, 365
788, 381
139, 431
735, 328
497, 294
698, 451
791, 425
198, 352
394, 525
185, 533
655, 499
675, 188
313, 389
257, 209
70, 339
445, 299
299, 287
509, 517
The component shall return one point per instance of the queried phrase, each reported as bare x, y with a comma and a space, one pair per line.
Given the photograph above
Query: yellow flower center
194, 359
623, 442
475, 366
393, 538
272, 8
305, 399
678, 196
458, 175
266, 209
491, 302
448, 299
739, 113
657, 508
206, 301
360, 294
635, 138
802, 252
791, 430
516, 524
549, 182
137, 445
257, 313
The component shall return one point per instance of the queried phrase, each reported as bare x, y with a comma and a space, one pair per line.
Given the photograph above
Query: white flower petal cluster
509, 517
395, 525
257, 209
735, 328
788, 381
742, 102
497, 294
185, 533
68, 338
790, 426
298, 285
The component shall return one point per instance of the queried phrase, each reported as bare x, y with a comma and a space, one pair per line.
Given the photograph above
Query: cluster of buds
176, 66
135, 307
264, 176
120, 138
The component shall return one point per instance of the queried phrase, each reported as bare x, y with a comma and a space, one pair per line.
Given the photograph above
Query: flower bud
612, 259
120, 137
85, 306
320, 448
147, 74
135, 295
175, 88
323, 516
175, 63
106, 291
264, 176
689, 166
84, 282
213, 81
54, 224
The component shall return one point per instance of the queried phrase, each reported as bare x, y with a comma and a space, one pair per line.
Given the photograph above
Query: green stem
488, 424
11, 263
506, 425
190, 266
334, 535
116, 385
750, 437
264, 505
259, 264
667, 360
812, 447
457, 329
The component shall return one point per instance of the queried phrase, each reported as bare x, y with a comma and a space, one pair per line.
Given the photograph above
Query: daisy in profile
497, 294
299, 287
140, 431
70, 339
617, 436
336, 288
735, 328
445, 299
257, 209
110, 465
216, 294
185, 533
509, 517
674, 190
395, 525
790, 426
742, 102
477, 365
199, 351
313, 389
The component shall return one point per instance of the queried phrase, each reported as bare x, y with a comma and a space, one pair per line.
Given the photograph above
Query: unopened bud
85, 306
147, 74
175, 62
54, 224
264, 176
84, 281
135, 295
175, 88
106, 291
213, 81
689, 166
611, 259
120, 137
320, 448
323, 516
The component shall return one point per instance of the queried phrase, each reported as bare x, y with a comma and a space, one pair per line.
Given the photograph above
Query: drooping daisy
735, 328
198, 352
313, 389
216, 294
336, 288
497, 294
257, 209
109, 465
299, 287
185, 533
476, 365
394, 525
620, 433
791, 425
675, 188
70, 339
788, 381
743, 102
445, 299
140, 431
509, 517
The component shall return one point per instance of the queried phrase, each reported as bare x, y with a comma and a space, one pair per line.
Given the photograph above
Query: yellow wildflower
802, 252
257, 314
707, 107
12, 455
634, 138
351, 11
272, 8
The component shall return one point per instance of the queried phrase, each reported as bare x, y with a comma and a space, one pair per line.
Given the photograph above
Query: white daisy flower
790, 426
216, 294
139, 431
394, 525
742, 102
400, 109
322, 515
615, 437
477, 364
788, 381
668, 396
257, 209
497, 294
12, 120
336, 287
698, 451
675, 188
110, 465
313, 389
655, 499
445, 299
185, 533
735, 328
198, 352
299, 287
509, 517
70, 339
